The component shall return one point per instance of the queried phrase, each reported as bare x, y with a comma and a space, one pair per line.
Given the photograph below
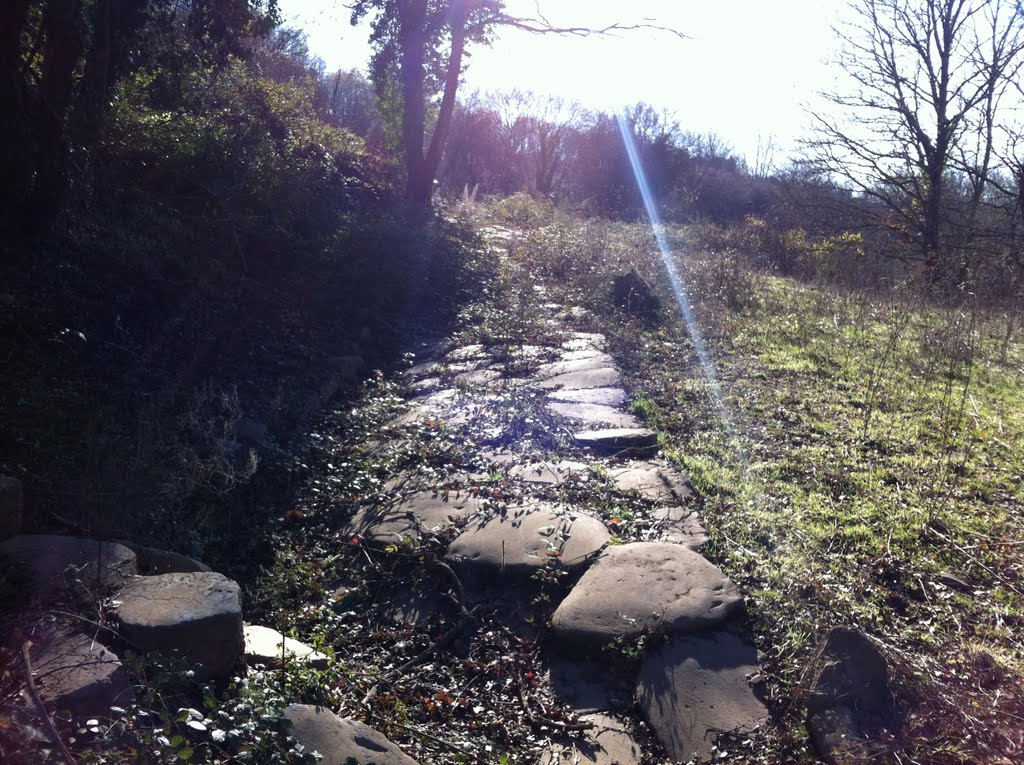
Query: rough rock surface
264, 645
656, 481
54, 561
594, 414
582, 362
409, 517
340, 741
151, 560
617, 440
850, 701
696, 688
550, 472
11, 507
198, 613
519, 541
75, 673
607, 743
599, 396
604, 377
681, 525
639, 586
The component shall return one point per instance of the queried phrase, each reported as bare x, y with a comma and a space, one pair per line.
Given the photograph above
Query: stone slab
75, 673
340, 741
55, 561
695, 688
581, 341
603, 377
409, 517
600, 396
594, 414
152, 560
851, 701
520, 541
607, 743
681, 525
641, 586
655, 481
554, 473
197, 613
582, 363
264, 646
618, 440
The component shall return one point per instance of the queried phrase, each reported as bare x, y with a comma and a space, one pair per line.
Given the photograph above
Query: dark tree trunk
15, 168
63, 31
115, 24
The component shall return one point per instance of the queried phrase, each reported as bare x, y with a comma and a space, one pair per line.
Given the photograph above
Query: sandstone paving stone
478, 377
11, 506
263, 645
587, 686
550, 472
656, 481
698, 687
618, 440
594, 414
73, 672
581, 341
340, 741
409, 517
467, 353
421, 370
637, 587
197, 613
602, 377
681, 525
152, 560
55, 561
521, 540
599, 396
851, 701
607, 743
597, 360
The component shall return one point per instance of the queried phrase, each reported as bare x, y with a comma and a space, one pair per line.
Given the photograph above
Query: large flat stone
655, 481
265, 646
75, 673
152, 560
580, 363
600, 396
607, 743
11, 506
582, 341
618, 440
594, 414
603, 377
555, 473
851, 701
522, 540
695, 688
340, 741
640, 586
411, 516
681, 525
198, 613
54, 562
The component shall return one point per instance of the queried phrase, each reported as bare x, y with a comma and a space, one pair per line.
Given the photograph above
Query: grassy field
861, 457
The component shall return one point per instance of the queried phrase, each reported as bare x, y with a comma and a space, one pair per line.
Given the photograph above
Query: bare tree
926, 77
421, 44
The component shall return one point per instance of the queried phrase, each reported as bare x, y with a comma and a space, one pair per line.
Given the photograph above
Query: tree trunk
14, 136
412, 15
63, 29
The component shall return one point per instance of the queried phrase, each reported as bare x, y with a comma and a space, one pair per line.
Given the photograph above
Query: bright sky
745, 73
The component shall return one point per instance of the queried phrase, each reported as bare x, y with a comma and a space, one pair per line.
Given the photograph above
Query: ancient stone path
700, 683
697, 685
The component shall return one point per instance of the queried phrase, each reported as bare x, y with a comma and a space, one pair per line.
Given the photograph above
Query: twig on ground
41, 707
